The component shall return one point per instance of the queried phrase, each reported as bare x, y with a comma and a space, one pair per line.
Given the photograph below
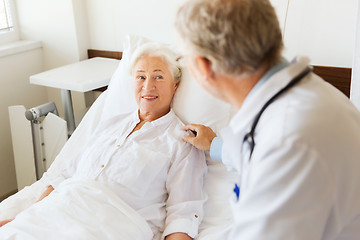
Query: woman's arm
2, 223
184, 184
178, 236
45, 194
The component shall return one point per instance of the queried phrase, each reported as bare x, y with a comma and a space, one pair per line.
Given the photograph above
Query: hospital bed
193, 105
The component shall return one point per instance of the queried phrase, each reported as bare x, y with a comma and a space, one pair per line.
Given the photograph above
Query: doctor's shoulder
313, 113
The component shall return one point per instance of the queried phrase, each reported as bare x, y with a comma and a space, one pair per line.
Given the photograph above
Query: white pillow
120, 94
191, 103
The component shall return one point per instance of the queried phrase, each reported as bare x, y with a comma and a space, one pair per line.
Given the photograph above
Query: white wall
111, 20
16, 90
52, 23
80, 15
61, 26
321, 29
281, 7
355, 78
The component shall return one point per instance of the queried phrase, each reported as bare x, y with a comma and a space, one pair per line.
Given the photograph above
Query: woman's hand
2, 223
203, 136
178, 236
46, 193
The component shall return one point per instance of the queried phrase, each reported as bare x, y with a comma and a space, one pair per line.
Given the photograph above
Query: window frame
13, 34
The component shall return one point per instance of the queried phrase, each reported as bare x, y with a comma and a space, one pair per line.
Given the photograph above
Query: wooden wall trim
337, 76
107, 54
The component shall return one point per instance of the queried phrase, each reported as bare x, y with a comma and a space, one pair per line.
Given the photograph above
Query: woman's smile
149, 97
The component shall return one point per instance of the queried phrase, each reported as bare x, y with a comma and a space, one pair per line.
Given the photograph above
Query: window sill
18, 47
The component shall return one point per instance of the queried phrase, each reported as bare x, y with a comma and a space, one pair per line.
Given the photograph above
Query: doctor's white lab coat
303, 179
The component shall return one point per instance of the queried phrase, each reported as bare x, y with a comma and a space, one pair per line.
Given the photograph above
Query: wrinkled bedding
78, 209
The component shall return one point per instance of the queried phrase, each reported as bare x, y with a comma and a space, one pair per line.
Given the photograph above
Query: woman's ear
176, 87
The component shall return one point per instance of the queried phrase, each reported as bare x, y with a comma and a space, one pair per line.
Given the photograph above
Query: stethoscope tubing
249, 137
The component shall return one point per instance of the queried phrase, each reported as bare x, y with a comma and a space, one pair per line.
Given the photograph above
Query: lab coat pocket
143, 170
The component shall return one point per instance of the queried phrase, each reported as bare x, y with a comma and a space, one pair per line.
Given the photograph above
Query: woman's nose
148, 84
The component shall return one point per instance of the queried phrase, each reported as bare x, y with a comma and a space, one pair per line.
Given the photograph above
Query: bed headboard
102, 53
337, 76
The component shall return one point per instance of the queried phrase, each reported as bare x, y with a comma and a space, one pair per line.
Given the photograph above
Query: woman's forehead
151, 63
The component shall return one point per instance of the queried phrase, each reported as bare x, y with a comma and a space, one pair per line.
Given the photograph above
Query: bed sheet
218, 218
78, 209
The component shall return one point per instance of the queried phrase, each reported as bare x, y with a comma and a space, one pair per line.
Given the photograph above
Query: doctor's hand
203, 136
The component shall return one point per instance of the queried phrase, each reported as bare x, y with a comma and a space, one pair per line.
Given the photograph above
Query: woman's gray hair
237, 36
155, 49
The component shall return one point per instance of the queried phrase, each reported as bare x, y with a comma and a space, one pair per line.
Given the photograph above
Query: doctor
295, 140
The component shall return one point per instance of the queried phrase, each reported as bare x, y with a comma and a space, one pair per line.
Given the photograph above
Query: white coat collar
256, 100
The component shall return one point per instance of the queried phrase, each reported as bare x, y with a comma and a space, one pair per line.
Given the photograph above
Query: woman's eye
159, 77
140, 78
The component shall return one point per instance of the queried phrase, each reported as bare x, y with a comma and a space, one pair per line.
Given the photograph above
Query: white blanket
78, 209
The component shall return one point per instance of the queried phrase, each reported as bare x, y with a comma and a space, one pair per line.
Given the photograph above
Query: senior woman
294, 141
141, 157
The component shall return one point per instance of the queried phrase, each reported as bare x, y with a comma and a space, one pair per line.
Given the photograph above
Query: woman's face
154, 86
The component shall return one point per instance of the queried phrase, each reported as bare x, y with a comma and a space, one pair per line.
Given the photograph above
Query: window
8, 29
6, 23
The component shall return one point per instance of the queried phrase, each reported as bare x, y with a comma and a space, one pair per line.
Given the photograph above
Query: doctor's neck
235, 89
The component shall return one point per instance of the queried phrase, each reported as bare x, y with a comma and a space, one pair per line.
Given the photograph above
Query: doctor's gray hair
155, 49
237, 36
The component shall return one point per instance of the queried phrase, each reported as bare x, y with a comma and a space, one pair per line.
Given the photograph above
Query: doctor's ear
204, 66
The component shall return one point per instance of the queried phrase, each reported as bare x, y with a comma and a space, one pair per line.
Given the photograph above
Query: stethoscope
249, 137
